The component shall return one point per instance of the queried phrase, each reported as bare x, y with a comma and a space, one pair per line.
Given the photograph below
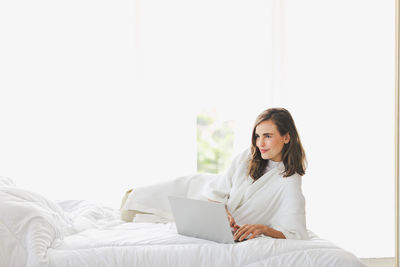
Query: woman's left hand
247, 229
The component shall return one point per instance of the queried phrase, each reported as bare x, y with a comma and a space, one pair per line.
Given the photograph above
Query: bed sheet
152, 244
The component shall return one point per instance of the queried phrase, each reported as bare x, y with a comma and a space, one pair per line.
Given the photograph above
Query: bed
35, 231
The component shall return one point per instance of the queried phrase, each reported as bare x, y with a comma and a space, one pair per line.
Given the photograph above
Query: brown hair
293, 156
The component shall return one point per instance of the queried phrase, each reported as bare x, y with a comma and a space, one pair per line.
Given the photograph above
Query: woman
262, 187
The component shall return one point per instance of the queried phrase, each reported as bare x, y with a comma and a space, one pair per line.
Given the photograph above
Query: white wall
73, 125
210, 54
339, 85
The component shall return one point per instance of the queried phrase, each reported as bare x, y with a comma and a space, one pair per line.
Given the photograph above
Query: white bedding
38, 232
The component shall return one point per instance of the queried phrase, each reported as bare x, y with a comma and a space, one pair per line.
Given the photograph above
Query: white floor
379, 262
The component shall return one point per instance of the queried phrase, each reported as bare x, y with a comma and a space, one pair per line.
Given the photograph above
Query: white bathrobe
272, 200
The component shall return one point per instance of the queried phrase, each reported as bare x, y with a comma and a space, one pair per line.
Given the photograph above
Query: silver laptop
201, 219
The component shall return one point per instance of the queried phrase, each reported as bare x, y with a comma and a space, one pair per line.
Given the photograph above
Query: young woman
262, 187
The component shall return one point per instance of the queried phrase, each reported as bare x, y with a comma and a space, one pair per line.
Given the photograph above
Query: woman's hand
247, 229
232, 222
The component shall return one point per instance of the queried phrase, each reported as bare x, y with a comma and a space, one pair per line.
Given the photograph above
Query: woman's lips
263, 150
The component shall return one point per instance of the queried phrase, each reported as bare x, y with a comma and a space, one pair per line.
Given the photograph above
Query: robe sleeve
219, 188
291, 220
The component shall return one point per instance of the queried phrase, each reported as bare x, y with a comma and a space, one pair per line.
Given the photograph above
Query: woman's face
269, 141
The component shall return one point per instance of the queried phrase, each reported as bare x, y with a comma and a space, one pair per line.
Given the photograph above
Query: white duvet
35, 231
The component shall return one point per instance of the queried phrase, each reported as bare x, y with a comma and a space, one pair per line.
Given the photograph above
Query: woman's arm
256, 229
273, 233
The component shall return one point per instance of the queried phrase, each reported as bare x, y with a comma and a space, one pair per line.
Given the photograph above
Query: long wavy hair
293, 155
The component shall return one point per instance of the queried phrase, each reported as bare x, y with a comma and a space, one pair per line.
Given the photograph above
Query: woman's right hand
232, 222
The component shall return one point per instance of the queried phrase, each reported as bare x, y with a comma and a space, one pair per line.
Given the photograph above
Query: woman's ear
286, 138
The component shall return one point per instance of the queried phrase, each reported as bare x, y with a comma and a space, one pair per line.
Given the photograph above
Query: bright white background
97, 97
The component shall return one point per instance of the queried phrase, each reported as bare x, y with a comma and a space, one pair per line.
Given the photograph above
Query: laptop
201, 219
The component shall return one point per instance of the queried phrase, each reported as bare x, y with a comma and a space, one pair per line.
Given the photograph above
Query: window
214, 142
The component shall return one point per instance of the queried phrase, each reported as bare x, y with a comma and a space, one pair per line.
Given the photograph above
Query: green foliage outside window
214, 143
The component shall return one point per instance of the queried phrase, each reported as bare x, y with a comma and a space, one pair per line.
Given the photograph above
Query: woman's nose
260, 142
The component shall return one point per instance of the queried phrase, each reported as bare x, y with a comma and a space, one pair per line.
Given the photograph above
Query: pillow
151, 201
128, 215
